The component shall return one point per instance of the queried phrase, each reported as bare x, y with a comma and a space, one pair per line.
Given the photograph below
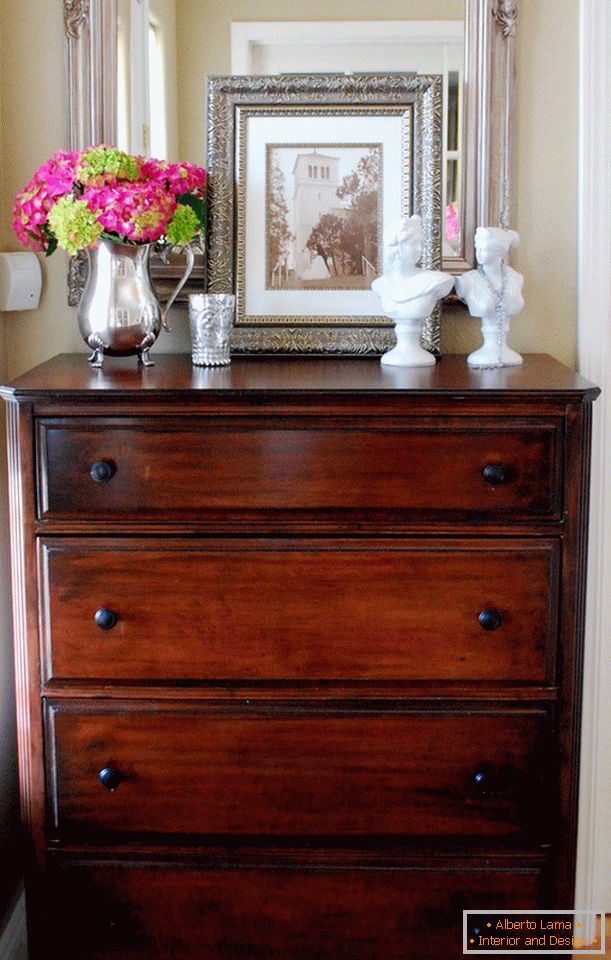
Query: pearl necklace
499, 307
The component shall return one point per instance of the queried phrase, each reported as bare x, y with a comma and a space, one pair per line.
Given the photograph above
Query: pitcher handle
188, 268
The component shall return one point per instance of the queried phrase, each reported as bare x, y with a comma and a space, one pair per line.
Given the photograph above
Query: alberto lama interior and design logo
533, 931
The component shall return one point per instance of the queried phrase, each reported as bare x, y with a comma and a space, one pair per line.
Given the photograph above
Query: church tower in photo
316, 179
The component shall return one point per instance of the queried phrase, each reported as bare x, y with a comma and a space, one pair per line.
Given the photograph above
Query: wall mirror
124, 83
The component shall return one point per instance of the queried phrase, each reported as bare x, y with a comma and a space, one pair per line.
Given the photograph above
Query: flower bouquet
115, 207
78, 197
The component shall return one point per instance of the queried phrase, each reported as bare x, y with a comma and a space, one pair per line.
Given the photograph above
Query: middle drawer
294, 610
274, 769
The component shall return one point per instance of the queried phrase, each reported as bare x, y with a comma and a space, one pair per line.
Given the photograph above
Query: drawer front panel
120, 912
210, 472
276, 774
287, 610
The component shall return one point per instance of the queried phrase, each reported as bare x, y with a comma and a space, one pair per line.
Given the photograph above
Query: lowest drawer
270, 769
138, 911
299, 609
100, 468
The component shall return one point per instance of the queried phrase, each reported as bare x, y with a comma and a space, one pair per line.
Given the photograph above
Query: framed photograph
303, 174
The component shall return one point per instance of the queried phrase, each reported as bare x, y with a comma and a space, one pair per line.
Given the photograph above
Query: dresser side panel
571, 638
25, 621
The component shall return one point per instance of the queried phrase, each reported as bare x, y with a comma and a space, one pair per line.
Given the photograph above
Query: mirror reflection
157, 57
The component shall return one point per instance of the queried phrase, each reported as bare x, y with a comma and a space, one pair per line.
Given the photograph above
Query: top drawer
295, 469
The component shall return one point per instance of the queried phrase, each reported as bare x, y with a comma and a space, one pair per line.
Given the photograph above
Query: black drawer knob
111, 778
494, 473
483, 778
102, 471
105, 619
490, 619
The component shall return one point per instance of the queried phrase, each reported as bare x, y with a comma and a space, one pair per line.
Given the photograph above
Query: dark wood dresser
299, 651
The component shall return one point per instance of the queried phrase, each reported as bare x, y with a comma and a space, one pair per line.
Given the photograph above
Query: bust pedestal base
408, 351
491, 353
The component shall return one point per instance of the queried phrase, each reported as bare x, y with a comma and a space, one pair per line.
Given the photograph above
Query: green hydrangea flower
146, 221
100, 163
73, 224
183, 226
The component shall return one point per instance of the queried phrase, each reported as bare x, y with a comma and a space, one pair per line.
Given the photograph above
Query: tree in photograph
359, 190
326, 241
279, 236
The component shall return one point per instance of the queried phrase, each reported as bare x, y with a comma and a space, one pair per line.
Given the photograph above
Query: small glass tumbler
211, 319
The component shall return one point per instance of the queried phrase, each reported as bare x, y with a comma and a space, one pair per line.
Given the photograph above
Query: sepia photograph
323, 215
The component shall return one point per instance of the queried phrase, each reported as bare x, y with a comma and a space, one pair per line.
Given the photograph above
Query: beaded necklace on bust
499, 307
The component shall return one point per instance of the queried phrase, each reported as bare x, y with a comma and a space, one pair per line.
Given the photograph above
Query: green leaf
197, 204
50, 238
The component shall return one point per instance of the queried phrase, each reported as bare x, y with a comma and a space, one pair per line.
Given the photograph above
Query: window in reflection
142, 76
157, 95
122, 94
452, 184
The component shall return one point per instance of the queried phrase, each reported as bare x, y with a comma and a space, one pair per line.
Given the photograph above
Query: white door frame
594, 361
245, 36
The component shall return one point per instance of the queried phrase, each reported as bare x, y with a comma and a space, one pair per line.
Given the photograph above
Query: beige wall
547, 154
34, 122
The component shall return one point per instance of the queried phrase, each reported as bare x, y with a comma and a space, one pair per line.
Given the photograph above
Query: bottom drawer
152, 912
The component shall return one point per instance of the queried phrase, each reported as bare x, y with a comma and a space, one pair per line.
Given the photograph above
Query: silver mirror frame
489, 120
91, 60
91, 66
489, 108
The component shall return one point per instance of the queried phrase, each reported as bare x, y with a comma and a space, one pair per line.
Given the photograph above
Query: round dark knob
482, 779
490, 619
105, 619
494, 473
102, 471
111, 778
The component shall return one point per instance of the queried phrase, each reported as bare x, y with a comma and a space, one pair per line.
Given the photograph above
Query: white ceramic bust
408, 294
494, 293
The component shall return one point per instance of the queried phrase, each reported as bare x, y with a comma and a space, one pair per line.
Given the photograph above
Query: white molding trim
593, 888
246, 36
13, 939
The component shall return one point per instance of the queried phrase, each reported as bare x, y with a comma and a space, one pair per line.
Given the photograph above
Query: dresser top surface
70, 375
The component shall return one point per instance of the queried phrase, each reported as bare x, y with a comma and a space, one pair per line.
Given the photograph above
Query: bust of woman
494, 293
408, 294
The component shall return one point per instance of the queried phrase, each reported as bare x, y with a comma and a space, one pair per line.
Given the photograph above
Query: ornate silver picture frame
329, 127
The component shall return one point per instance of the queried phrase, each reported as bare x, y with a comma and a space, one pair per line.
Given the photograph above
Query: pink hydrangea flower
452, 222
138, 210
132, 198
179, 178
52, 180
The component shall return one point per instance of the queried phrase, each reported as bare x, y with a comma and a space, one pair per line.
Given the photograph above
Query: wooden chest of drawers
298, 653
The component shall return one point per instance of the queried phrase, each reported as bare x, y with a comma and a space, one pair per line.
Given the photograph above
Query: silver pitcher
119, 313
